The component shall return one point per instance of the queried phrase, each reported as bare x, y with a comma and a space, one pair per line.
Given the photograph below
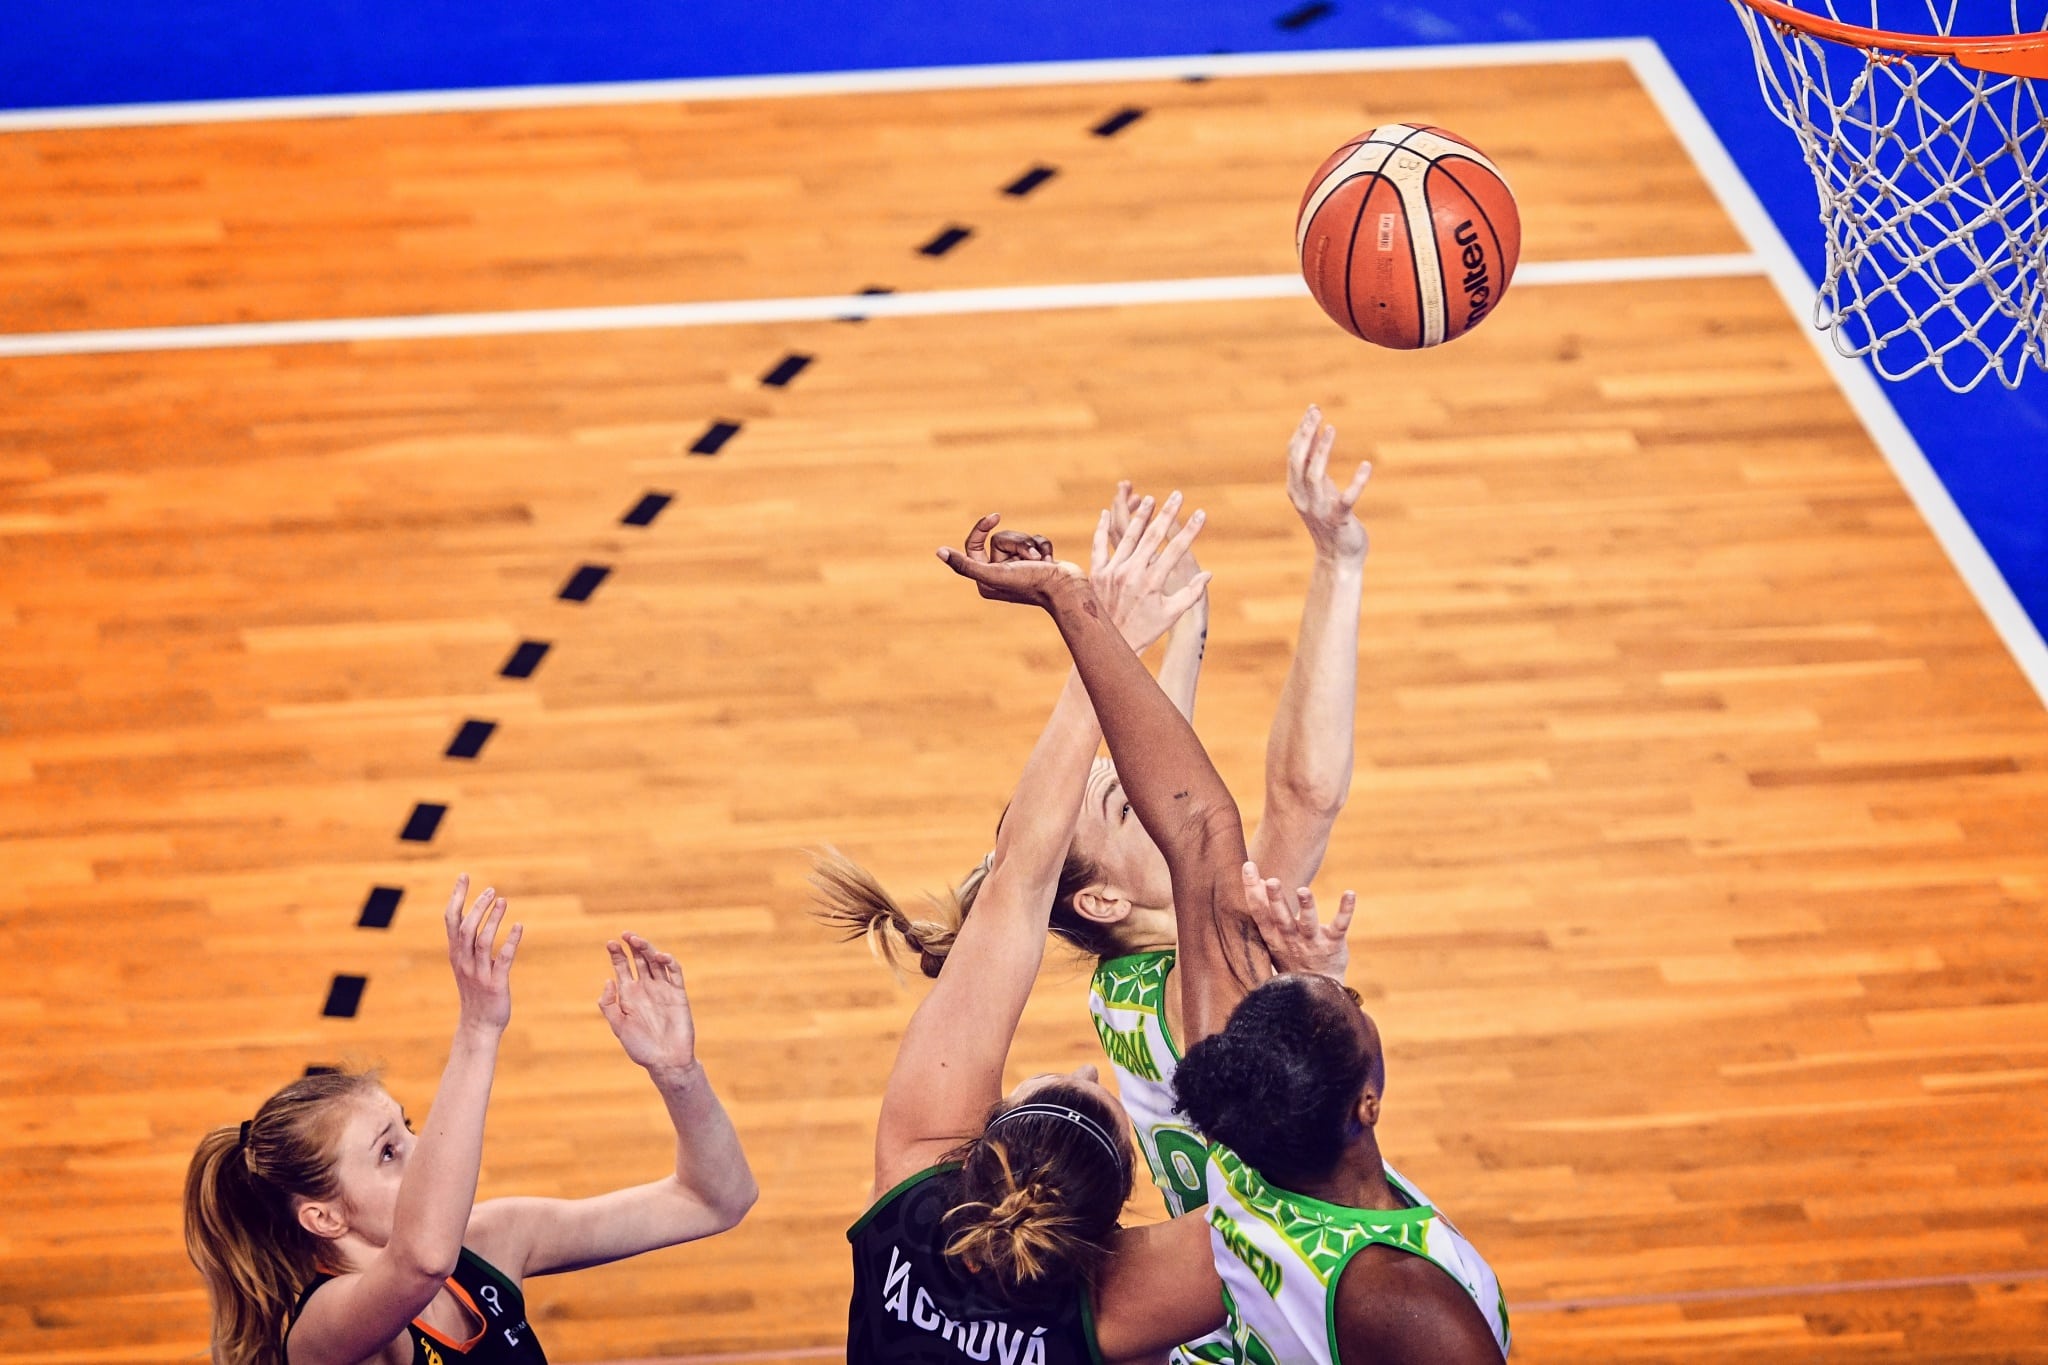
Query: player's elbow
728, 1205
1307, 799
425, 1268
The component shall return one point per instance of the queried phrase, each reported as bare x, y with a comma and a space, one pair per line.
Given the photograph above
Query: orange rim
2020, 54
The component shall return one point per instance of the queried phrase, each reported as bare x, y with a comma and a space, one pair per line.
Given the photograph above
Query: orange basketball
1408, 236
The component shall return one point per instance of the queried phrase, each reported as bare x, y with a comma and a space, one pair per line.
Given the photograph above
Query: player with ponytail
328, 1234
1326, 1254
993, 1232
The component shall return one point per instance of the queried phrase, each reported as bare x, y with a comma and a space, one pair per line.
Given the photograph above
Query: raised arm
1169, 779
709, 1191
357, 1315
949, 1066
1180, 665
1309, 750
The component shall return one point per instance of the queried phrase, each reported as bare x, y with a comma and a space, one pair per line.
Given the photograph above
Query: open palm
646, 1006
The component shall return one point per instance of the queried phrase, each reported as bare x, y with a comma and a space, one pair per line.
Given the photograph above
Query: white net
1931, 187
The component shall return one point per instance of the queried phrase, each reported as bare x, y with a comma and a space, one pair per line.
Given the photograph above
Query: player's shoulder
1396, 1307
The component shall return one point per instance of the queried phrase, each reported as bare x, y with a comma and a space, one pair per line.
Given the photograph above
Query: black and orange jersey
501, 1338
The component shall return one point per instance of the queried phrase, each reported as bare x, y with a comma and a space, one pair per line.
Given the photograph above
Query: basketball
1408, 236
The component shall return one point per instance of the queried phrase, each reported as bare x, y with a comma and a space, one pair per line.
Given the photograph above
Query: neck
1147, 929
1359, 1181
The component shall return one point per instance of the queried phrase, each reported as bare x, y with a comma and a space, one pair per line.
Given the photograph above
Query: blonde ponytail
1022, 1234
849, 899
242, 1227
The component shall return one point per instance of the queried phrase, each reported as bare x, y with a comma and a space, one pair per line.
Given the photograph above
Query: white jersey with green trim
1280, 1255
1127, 998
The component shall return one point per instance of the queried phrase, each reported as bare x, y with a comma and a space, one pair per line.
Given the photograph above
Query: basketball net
1930, 153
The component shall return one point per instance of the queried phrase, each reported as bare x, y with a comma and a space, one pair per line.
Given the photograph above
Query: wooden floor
1698, 819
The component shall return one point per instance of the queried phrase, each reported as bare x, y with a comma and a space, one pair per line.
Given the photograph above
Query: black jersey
912, 1307
504, 1339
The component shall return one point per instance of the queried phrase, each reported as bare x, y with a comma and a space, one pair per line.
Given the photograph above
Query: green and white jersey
1128, 1001
1280, 1255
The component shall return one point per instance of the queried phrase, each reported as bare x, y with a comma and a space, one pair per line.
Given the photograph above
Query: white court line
1515, 1310
728, 312
1865, 395
993, 76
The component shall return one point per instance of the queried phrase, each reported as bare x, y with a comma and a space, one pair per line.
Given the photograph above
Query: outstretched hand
483, 977
646, 1006
1012, 566
1141, 580
1124, 505
1295, 940
1324, 508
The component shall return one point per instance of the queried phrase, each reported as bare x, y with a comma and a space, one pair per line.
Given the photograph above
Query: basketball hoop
1930, 154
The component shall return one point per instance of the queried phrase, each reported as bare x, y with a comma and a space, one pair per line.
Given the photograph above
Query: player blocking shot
328, 1233
993, 1234
1326, 1255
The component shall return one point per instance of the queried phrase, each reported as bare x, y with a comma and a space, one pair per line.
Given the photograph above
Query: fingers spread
1341, 921
504, 957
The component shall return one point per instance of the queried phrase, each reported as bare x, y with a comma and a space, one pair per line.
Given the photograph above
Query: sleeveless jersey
504, 1339
1280, 1255
912, 1306
1127, 998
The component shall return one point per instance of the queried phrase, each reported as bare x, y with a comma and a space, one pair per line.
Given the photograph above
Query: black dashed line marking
945, 241
583, 583
714, 438
788, 368
469, 740
647, 509
1117, 122
1030, 181
524, 659
379, 907
344, 997
1302, 16
421, 824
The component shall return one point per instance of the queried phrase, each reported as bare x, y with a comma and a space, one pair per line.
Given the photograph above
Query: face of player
1108, 835
375, 1143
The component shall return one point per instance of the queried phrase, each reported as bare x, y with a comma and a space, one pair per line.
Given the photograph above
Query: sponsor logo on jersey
1128, 1049
979, 1339
1478, 282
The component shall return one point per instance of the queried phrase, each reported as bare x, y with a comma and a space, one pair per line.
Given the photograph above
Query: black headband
1074, 1116
243, 1140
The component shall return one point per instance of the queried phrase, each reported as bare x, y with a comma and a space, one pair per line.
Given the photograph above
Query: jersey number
1183, 1162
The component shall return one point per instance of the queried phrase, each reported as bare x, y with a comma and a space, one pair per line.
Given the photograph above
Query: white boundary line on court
728, 312
1733, 1294
822, 83
1858, 385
